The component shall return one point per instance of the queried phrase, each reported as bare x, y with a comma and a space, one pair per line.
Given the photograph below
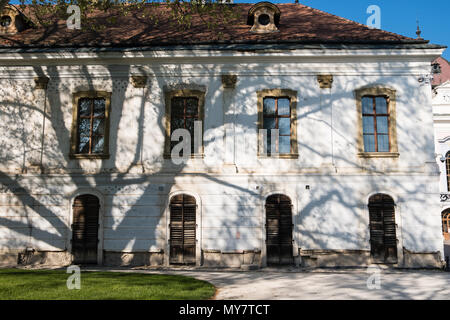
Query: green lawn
20, 284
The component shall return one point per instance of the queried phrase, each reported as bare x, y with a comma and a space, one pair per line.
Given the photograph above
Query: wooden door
182, 229
85, 229
279, 230
383, 239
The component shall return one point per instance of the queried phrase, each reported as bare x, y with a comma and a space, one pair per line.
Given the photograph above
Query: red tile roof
298, 24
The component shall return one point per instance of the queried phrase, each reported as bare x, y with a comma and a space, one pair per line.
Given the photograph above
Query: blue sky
397, 16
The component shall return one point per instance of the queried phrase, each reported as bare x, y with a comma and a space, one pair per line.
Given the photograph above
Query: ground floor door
279, 230
383, 239
446, 234
182, 229
85, 229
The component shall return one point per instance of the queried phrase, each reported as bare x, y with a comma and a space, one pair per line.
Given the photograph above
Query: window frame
374, 116
75, 120
445, 221
278, 94
447, 169
183, 93
390, 95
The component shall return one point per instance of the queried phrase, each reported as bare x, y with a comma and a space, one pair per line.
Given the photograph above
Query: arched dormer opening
264, 17
12, 20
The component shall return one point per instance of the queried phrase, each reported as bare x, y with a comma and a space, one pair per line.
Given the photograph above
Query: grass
19, 284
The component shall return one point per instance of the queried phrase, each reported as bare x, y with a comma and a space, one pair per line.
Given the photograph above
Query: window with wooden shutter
182, 229
279, 229
85, 229
383, 239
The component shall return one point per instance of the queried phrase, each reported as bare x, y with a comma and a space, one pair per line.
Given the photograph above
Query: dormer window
12, 20
5, 21
435, 68
264, 17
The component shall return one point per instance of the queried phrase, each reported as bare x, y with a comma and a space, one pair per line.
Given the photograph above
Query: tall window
277, 115
377, 136
183, 108
184, 112
277, 111
375, 124
91, 125
446, 224
447, 166
90, 129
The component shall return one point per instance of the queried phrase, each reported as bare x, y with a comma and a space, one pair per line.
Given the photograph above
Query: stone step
247, 267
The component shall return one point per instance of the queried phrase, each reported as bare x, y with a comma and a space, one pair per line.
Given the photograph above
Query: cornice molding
157, 55
217, 69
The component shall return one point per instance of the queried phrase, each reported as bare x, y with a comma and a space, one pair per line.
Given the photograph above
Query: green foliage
17, 284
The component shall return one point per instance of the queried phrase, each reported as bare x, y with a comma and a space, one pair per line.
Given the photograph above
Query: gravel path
319, 284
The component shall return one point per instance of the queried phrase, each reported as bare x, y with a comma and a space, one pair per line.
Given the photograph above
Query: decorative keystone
139, 81
41, 82
229, 81
325, 81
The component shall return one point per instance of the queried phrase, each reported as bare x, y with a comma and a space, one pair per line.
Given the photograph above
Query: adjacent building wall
441, 115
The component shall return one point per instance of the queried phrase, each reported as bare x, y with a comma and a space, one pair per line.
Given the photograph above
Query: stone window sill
378, 154
88, 156
279, 156
193, 156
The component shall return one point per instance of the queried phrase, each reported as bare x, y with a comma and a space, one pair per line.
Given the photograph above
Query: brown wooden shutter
383, 239
279, 230
85, 229
182, 229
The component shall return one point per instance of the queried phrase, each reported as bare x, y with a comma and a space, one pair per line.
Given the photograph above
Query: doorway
85, 229
383, 239
182, 229
279, 230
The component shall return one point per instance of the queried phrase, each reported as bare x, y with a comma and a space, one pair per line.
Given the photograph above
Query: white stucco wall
135, 181
441, 115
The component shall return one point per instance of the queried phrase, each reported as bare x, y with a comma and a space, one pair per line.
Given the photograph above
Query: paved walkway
319, 284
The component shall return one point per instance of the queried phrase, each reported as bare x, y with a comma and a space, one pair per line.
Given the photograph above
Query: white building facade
316, 203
